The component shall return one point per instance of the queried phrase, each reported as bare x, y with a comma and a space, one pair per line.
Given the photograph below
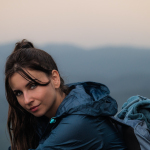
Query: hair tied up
23, 45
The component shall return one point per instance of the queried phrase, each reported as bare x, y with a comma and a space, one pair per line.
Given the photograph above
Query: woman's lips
34, 108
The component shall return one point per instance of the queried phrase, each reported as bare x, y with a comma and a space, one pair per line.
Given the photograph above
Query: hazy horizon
84, 23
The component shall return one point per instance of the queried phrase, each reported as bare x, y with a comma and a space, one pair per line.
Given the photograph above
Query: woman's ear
55, 78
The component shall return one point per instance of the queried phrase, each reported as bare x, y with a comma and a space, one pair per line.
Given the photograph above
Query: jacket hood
87, 98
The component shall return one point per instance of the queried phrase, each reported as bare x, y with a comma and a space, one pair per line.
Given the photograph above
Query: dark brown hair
21, 123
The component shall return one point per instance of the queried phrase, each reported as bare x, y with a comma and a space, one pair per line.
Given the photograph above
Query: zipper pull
53, 120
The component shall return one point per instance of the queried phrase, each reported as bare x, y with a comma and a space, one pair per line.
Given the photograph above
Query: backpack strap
127, 133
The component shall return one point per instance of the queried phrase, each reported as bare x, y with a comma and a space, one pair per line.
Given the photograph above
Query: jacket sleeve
83, 132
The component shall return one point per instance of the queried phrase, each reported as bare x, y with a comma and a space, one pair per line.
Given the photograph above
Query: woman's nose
27, 98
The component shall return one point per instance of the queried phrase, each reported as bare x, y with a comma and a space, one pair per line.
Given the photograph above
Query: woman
45, 114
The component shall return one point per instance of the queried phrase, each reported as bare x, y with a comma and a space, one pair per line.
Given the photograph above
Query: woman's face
38, 100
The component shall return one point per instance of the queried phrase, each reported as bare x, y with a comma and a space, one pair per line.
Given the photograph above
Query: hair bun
23, 45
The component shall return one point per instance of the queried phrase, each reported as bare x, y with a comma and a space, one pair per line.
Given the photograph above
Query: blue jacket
81, 121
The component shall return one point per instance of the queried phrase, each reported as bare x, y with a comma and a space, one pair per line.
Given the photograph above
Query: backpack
127, 133
133, 122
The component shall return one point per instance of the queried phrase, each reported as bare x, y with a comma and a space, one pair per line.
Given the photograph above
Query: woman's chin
37, 114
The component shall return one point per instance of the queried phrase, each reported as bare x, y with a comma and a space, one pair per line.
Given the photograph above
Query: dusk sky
86, 23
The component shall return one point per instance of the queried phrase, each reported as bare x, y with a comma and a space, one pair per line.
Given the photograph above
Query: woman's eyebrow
15, 91
30, 82
25, 86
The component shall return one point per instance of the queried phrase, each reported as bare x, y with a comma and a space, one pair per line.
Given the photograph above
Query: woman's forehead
16, 81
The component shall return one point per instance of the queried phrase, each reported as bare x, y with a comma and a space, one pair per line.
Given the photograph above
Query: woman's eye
33, 86
18, 93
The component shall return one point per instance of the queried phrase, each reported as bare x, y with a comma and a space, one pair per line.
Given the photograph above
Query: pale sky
86, 23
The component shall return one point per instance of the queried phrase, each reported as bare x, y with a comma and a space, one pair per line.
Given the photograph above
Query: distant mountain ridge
125, 70
107, 64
